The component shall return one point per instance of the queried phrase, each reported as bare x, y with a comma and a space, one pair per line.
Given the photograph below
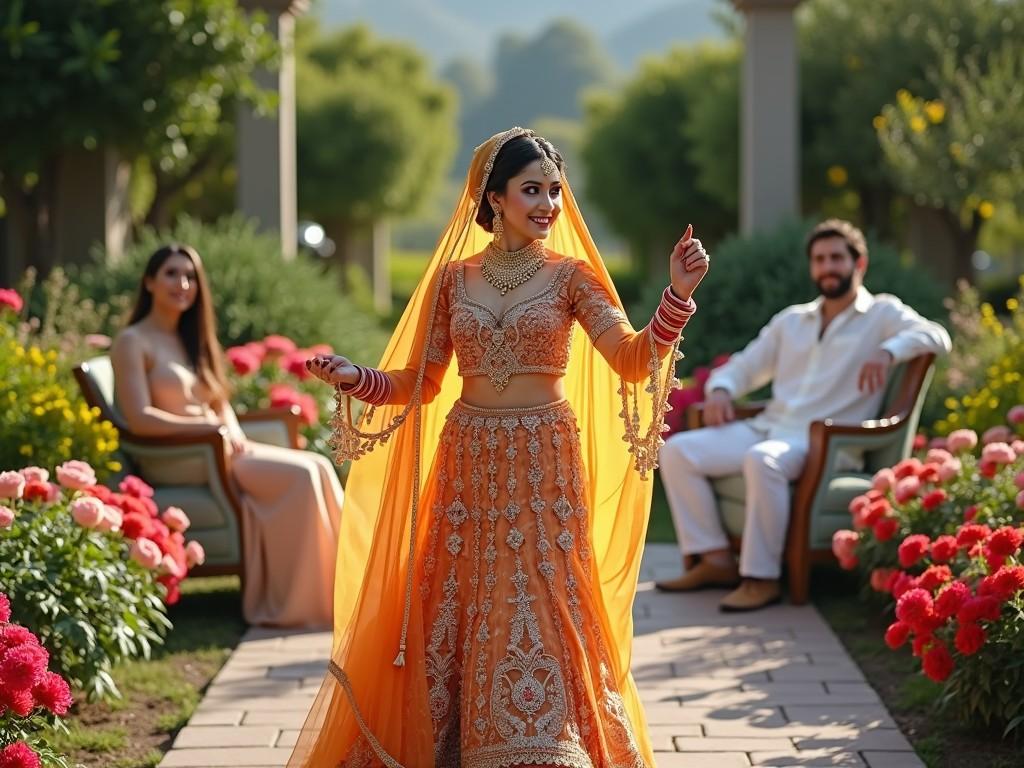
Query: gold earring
497, 227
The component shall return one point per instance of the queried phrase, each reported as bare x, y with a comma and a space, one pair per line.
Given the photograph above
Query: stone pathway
774, 688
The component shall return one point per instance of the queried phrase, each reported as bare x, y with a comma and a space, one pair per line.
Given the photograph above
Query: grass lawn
160, 695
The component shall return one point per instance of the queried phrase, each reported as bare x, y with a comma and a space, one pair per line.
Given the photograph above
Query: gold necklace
507, 270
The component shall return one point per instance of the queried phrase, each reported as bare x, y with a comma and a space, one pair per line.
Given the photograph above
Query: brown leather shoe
752, 595
703, 575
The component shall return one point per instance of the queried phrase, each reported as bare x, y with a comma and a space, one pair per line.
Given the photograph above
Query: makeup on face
531, 204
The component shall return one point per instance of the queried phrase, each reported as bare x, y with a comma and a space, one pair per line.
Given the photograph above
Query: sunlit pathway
774, 688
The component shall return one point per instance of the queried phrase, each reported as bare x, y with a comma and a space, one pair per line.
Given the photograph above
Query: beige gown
292, 505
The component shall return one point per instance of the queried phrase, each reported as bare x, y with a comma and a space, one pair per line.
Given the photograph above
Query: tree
854, 57
961, 153
652, 166
148, 78
541, 77
376, 130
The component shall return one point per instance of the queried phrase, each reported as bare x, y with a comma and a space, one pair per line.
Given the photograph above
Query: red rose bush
89, 568
33, 698
941, 535
272, 373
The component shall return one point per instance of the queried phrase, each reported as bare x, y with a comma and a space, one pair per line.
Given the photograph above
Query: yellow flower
935, 110
917, 124
956, 150
986, 209
880, 122
1012, 305
25, 450
904, 98
837, 176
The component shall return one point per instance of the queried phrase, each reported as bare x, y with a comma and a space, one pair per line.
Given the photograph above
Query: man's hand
874, 372
718, 409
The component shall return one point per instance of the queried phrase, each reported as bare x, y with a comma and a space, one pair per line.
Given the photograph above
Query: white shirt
814, 376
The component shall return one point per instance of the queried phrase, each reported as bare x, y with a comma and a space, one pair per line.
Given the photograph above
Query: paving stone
889, 739
892, 759
218, 717
702, 760
293, 719
808, 758
221, 758
688, 744
194, 736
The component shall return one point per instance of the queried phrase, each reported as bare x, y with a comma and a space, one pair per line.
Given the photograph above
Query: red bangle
671, 317
371, 387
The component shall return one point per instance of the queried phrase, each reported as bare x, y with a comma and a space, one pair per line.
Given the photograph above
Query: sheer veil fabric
366, 696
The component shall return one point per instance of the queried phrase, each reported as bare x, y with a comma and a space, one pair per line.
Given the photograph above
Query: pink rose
76, 475
949, 469
1018, 446
176, 519
195, 554
295, 364
1019, 480
12, 485
35, 475
961, 440
1020, 500
1000, 434
938, 456
112, 519
938, 442
97, 340
6, 517
844, 544
907, 489
87, 511
883, 480
882, 578
1016, 415
171, 567
146, 553
998, 453
11, 299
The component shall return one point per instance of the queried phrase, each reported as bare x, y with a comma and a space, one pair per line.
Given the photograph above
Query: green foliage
375, 127
981, 379
641, 156
150, 76
77, 588
961, 151
256, 293
854, 57
751, 279
43, 418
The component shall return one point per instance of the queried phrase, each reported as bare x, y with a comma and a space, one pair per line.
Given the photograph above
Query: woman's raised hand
688, 263
334, 369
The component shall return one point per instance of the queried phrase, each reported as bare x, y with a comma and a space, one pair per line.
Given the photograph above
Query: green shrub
256, 293
753, 278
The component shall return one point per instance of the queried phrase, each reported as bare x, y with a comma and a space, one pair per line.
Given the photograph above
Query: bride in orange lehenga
483, 607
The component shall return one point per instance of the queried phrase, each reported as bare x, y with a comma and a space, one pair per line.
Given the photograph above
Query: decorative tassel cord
375, 745
644, 448
351, 442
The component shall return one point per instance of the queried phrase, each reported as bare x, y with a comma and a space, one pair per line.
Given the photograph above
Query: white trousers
688, 459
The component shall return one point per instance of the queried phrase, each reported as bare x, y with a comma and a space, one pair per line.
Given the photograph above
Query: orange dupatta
366, 695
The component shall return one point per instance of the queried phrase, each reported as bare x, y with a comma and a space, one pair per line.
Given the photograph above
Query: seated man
825, 359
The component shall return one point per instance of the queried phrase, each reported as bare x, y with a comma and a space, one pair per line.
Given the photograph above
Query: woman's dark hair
512, 158
197, 326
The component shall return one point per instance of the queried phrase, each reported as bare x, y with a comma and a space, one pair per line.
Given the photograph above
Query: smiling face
530, 205
834, 269
174, 287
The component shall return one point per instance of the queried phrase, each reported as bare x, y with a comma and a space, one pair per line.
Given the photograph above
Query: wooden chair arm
695, 412
291, 415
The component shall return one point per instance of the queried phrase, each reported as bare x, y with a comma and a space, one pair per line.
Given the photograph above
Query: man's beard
841, 288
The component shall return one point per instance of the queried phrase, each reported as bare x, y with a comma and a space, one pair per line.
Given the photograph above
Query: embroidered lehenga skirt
517, 666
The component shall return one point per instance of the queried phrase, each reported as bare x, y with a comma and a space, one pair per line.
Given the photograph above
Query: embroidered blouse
531, 336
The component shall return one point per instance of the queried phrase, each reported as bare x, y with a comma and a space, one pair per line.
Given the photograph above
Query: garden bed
909, 696
161, 694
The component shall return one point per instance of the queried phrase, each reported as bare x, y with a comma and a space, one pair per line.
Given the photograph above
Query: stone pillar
770, 115
267, 186
92, 205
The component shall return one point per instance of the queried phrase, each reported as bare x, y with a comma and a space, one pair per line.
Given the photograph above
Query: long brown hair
197, 326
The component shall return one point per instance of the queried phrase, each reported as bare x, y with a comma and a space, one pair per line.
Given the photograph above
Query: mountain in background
448, 29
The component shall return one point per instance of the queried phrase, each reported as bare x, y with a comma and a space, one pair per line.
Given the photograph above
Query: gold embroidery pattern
439, 346
594, 308
507, 686
531, 336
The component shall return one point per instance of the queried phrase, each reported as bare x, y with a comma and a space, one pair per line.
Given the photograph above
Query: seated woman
169, 371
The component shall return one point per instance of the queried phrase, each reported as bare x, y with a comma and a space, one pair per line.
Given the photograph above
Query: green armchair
191, 471
822, 495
